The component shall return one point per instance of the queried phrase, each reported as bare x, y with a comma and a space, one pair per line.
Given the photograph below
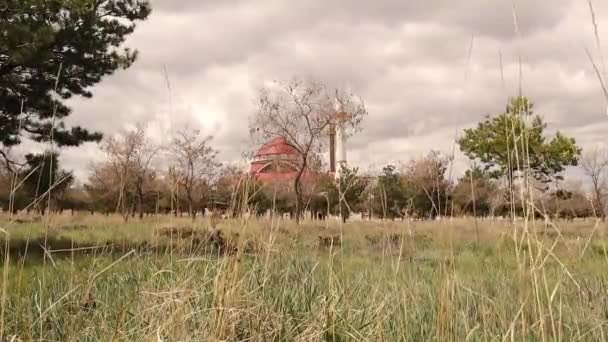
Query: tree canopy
53, 49
477, 194
345, 194
392, 197
515, 140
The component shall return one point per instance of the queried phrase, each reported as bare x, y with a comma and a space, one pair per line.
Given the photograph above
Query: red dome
275, 147
275, 160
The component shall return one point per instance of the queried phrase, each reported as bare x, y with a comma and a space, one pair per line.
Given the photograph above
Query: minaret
340, 147
332, 148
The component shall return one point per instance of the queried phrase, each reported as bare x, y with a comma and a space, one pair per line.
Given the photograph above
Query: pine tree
51, 50
515, 140
43, 178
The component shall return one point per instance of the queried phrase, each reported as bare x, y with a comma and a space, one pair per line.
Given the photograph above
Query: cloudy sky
408, 59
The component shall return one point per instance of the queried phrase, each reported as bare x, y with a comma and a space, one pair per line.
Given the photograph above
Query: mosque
277, 159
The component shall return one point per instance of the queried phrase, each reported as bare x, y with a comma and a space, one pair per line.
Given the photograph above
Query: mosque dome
277, 147
275, 161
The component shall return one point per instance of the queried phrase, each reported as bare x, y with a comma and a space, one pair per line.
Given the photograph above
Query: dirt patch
35, 249
209, 240
329, 241
395, 240
232, 243
28, 220
186, 243
384, 240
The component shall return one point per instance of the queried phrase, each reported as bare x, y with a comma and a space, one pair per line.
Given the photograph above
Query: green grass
413, 281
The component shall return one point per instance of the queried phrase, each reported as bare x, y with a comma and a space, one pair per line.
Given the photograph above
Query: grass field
168, 279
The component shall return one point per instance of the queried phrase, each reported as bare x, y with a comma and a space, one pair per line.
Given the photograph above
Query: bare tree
301, 112
144, 174
595, 165
120, 151
102, 187
195, 164
130, 155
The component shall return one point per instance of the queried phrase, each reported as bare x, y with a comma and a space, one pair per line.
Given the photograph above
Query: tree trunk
298, 190
191, 211
600, 203
133, 209
123, 208
140, 204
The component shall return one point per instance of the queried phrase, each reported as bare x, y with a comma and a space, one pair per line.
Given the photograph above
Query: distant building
275, 161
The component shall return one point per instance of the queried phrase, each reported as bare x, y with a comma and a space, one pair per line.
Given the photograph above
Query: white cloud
406, 58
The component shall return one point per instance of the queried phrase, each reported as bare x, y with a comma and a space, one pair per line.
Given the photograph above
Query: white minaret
340, 139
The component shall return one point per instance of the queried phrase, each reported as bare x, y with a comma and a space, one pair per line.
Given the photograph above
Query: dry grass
104, 280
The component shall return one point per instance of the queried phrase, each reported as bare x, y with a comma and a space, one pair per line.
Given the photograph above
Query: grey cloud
177, 7
228, 31
406, 58
492, 18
